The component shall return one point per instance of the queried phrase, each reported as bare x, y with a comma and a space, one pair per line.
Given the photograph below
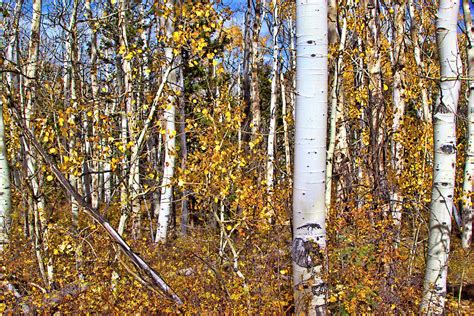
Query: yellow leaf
49, 178
385, 87
53, 151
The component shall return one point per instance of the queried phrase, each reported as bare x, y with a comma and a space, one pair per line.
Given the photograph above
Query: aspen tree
309, 212
254, 60
284, 114
467, 211
71, 89
37, 206
13, 82
166, 197
335, 114
13, 45
95, 165
434, 288
5, 195
398, 50
273, 100
414, 34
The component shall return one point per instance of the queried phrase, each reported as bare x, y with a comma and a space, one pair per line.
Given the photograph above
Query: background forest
146, 156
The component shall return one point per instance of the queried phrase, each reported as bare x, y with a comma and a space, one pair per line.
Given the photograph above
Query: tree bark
309, 212
467, 209
434, 289
398, 49
166, 198
273, 101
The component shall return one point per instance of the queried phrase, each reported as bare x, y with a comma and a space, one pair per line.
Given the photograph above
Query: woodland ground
207, 282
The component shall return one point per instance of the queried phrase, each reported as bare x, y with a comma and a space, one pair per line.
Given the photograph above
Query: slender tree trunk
291, 27
414, 30
12, 48
333, 34
398, 49
95, 165
5, 195
129, 168
334, 115
166, 198
254, 63
467, 212
246, 69
309, 213
13, 82
273, 101
70, 83
284, 114
37, 208
434, 293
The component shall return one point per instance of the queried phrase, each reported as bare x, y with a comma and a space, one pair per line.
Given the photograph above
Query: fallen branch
157, 280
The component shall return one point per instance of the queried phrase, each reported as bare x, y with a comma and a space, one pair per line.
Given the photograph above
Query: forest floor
206, 280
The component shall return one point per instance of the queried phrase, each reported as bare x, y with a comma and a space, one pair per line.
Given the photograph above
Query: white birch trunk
309, 212
126, 126
254, 84
273, 100
398, 112
96, 165
467, 210
284, 114
434, 293
291, 27
70, 82
13, 45
166, 197
334, 116
38, 206
5, 194
426, 110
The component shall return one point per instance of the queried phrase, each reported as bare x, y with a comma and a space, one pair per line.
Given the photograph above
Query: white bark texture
13, 46
415, 29
166, 198
335, 115
95, 165
309, 212
37, 208
5, 195
284, 114
273, 100
434, 292
396, 199
467, 209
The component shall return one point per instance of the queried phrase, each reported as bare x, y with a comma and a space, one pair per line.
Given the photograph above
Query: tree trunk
96, 164
467, 209
166, 198
254, 82
284, 114
309, 212
334, 115
37, 208
12, 48
398, 50
273, 101
414, 32
434, 293
5, 194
